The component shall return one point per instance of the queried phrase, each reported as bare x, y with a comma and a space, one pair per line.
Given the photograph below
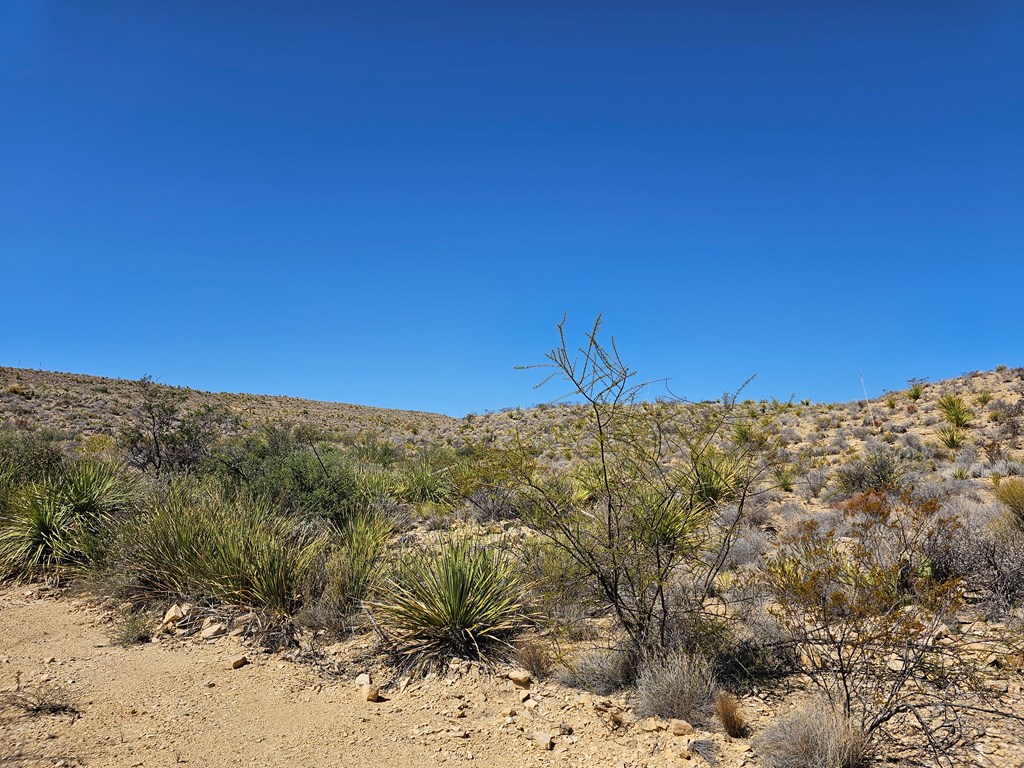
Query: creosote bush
460, 598
635, 511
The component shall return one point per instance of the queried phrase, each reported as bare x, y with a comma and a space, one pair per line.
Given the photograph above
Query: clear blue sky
393, 203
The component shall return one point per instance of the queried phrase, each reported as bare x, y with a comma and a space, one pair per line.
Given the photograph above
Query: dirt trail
178, 703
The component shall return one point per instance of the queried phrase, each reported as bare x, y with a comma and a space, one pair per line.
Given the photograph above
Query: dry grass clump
730, 714
46, 699
680, 685
814, 736
602, 671
534, 656
1010, 493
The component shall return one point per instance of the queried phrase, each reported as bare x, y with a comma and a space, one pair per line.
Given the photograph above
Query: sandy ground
178, 702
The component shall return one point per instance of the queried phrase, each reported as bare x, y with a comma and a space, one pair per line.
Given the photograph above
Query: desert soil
178, 702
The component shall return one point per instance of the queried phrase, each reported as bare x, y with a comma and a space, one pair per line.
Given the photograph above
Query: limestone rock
544, 740
520, 677
239, 661
174, 614
212, 630
680, 727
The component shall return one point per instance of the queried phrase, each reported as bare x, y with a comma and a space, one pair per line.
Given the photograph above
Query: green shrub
1010, 493
239, 551
37, 533
983, 398
915, 391
879, 470
459, 599
354, 566
602, 671
955, 412
57, 522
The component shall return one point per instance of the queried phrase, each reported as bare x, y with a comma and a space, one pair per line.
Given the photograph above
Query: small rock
239, 661
680, 727
520, 677
212, 631
174, 614
371, 693
544, 740
363, 679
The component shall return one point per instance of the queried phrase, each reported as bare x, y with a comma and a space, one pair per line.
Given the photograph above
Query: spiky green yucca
354, 567
56, 522
955, 412
460, 599
238, 551
951, 436
1010, 492
37, 533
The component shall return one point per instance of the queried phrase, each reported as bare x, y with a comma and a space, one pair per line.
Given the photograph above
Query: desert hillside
738, 583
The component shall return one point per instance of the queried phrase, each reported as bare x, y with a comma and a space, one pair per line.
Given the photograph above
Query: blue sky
394, 203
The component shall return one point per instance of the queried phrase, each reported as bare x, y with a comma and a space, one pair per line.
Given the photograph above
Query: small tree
162, 437
636, 513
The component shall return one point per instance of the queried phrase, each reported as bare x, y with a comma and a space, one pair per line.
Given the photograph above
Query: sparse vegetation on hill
861, 561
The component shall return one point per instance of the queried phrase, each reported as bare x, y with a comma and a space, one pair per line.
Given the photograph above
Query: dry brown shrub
730, 714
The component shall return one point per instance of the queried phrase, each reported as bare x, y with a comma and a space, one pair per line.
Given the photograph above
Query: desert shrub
349, 571
879, 470
133, 629
602, 671
866, 613
56, 522
29, 456
162, 435
37, 533
816, 480
983, 398
429, 478
814, 736
730, 714
47, 698
785, 477
915, 391
1010, 493
679, 685
460, 598
238, 550
955, 411
638, 510
747, 547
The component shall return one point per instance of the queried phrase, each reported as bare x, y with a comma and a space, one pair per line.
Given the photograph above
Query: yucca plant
354, 567
38, 532
459, 599
239, 551
56, 522
951, 436
983, 398
915, 391
955, 412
